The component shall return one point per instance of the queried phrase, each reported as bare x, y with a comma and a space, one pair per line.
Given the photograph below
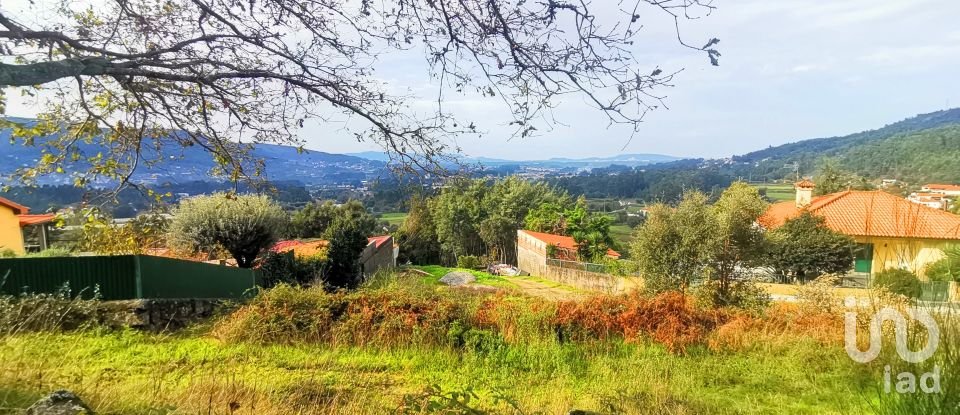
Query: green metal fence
935, 291
125, 277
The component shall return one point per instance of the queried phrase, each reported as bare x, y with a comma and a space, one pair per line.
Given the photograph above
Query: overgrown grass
134, 373
400, 345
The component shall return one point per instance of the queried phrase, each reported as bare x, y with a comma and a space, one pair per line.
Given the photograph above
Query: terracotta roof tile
806, 184
934, 186
27, 220
871, 213
17, 208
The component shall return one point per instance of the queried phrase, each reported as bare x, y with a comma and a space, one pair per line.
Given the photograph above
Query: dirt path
545, 289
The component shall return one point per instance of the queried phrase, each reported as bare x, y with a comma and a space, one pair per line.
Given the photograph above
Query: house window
863, 261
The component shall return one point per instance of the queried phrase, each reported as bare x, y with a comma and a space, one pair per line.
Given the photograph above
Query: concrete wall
910, 254
375, 259
10, 235
532, 259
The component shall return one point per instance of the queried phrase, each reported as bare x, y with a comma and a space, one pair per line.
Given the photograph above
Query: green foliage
547, 218
899, 281
243, 225
831, 178
591, 231
7, 253
947, 268
417, 235
285, 268
134, 237
50, 253
696, 241
743, 294
805, 248
473, 217
55, 312
315, 219
674, 245
348, 237
469, 262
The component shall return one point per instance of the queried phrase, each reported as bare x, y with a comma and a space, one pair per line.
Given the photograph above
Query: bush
390, 315
469, 262
30, 312
50, 253
285, 268
743, 294
899, 281
948, 268
670, 318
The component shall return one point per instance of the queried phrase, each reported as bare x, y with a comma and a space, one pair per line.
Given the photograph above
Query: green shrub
50, 253
7, 253
743, 294
948, 268
55, 312
899, 281
469, 262
285, 268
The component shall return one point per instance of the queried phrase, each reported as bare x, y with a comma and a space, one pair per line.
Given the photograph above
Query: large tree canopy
144, 76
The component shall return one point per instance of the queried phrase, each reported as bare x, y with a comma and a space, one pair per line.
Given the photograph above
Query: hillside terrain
918, 149
188, 164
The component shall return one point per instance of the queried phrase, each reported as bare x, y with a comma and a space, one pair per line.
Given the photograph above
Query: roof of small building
28, 220
17, 208
871, 213
935, 186
563, 242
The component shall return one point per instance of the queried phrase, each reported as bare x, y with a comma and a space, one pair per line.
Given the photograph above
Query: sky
790, 70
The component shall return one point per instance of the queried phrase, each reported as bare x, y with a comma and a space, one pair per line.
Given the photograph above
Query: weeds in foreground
54, 312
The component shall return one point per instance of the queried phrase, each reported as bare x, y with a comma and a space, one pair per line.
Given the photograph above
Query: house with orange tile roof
891, 232
16, 222
380, 253
944, 189
564, 247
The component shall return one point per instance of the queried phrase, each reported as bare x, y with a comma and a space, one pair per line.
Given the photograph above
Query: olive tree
805, 248
243, 225
144, 78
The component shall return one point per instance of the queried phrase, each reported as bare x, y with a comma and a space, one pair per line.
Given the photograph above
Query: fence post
138, 280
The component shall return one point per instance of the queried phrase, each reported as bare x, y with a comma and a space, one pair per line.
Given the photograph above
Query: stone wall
159, 314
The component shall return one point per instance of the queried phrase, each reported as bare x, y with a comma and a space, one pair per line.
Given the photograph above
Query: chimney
804, 190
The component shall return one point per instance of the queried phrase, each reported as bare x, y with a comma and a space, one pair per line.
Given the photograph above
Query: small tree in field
347, 240
805, 248
740, 241
243, 225
674, 246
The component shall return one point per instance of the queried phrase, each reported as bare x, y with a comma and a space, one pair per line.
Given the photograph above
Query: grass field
135, 373
394, 218
622, 234
484, 278
777, 192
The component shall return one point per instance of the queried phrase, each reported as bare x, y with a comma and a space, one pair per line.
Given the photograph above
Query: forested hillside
926, 156
918, 150
866, 152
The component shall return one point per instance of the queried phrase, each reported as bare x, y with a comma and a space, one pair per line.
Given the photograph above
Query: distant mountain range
557, 162
925, 147
187, 164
